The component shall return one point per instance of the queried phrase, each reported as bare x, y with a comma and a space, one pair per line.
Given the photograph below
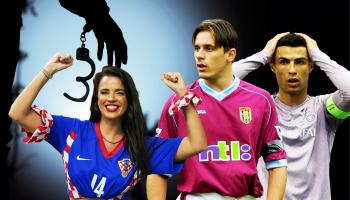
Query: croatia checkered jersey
92, 171
241, 125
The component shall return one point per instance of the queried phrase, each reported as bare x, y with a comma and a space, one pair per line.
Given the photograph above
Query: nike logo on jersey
80, 158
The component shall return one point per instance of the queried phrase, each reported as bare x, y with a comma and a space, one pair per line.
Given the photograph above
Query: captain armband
43, 129
272, 147
334, 110
183, 101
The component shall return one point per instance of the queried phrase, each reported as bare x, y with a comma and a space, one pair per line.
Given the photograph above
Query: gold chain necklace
105, 139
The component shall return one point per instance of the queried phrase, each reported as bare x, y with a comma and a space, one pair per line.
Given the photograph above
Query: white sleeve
244, 66
339, 76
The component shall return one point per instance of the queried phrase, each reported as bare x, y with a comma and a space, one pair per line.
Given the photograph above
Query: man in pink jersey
240, 121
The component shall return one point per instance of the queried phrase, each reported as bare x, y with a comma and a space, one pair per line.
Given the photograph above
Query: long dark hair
133, 122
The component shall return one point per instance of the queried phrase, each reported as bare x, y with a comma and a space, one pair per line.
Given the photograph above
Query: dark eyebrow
208, 45
204, 45
117, 90
302, 58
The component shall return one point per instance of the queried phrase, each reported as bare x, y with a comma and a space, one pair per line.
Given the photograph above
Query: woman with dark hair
109, 153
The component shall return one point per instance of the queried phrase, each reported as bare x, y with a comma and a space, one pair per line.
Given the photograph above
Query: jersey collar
222, 94
102, 145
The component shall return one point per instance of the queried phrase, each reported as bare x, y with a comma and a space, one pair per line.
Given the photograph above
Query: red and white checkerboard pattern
125, 166
184, 101
43, 130
73, 192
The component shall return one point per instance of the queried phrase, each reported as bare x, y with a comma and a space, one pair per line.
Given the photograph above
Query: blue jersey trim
276, 163
222, 94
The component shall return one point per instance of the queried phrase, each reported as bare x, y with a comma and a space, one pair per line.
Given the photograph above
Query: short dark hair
133, 122
290, 40
223, 31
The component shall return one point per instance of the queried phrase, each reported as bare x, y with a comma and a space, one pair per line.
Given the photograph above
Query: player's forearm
156, 187
339, 75
21, 107
277, 183
21, 110
196, 134
244, 66
196, 140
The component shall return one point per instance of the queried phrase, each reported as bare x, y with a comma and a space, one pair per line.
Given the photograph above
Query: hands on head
270, 46
310, 43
